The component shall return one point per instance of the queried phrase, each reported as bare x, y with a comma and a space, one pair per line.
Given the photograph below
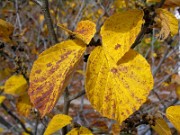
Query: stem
66, 108
47, 16
16, 119
77, 95
161, 62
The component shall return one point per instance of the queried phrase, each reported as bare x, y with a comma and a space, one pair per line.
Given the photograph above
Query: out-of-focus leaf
80, 131
169, 23
99, 126
161, 127
116, 129
120, 31
2, 98
1, 130
57, 122
168, 3
6, 29
4, 73
51, 73
24, 105
84, 31
173, 114
123, 87
15, 85
178, 91
119, 3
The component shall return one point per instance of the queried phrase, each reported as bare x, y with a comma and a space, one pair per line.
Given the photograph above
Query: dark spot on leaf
117, 46
49, 65
114, 70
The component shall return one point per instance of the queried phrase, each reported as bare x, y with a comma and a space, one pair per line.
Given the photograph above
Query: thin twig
44, 4
79, 94
47, 16
16, 118
161, 62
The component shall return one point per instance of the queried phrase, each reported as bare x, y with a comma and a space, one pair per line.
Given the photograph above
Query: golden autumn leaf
24, 105
168, 3
161, 127
120, 31
123, 87
51, 73
169, 23
15, 85
57, 122
84, 31
2, 98
172, 113
80, 131
6, 29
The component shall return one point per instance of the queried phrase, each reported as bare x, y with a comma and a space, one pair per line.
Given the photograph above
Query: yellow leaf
169, 23
6, 29
51, 73
2, 98
74, 131
119, 3
57, 122
161, 127
15, 85
172, 113
1, 130
85, 30
120, 31
123, 87
80, 131
24, 105
5, 73
168, 3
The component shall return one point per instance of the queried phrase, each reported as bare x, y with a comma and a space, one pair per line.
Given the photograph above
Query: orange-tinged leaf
173, 114
2, 98
169, 23
57, 122
15, 85
116, 129
6, 29
178, 91
51, 73
80, 131
85, 30
120, 31
24, 105
123, 87
161, 127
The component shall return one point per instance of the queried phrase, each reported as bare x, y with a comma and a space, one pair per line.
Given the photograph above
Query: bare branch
77, 95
